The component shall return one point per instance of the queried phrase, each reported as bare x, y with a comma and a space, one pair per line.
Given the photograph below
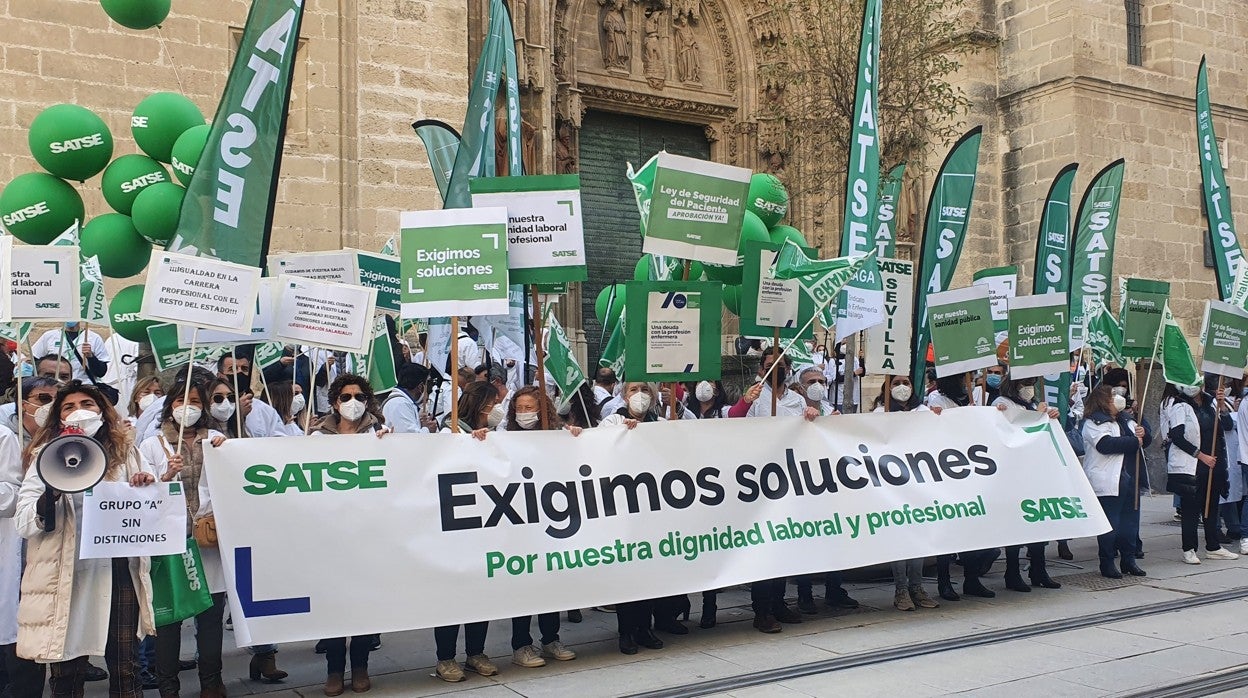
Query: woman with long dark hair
70, 611
1109, 435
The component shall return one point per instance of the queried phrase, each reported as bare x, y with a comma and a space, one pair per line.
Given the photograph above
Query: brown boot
211, 687
766, 623
264, 668
333, 685
360, 682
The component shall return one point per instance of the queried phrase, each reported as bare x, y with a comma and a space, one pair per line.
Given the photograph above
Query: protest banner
261, 324
200, 292
768, 303
123, 521
545, 232
44, 283
377, 364
1226, 340
560, 361
1092, 259
454, 262
338, 266
169, 352
1039, 333
16, 331
1104, 335
616, 515
1002, 284
961, 327
1223, 242
888, 344
380, 271
92, 301
1051, 272
324, 314
674, 330
1142, 305
697, 209
885, 216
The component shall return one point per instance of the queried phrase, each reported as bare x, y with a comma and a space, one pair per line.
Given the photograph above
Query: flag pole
672, 408
186, 394
775, 377
1152, 359
1217, 427
454, 377
539, 341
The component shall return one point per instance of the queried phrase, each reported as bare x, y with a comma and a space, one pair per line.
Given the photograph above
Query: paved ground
1111, 659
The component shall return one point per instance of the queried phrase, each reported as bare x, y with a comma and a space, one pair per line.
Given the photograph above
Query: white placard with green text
1039, 335
454, 262
545, 232
962, 334
696, 210
261, 324
339, 266
888, 343
44, 285
1225, 340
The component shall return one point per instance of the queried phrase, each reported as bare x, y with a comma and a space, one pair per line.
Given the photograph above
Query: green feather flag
1178, 366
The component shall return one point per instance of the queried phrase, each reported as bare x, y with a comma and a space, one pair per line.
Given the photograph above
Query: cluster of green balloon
123, 314
137, 14
768, 204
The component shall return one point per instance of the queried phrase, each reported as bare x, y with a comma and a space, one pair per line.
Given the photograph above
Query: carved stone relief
616, 40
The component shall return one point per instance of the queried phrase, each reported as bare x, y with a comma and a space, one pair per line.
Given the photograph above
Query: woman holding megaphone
71, 609
185, 417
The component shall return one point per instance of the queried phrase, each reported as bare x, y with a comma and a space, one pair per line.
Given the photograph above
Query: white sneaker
556, 650
1221, 554
1243, 547
527, 657
1189, 556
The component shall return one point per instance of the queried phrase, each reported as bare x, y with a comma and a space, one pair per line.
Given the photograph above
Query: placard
888, 343
1143, 303
673, 331
123, 521
324, 314
696, 210
261, 325
1039, 332
1225, 340
45, 283
545, 231
169, 353
1002, 283
380, 271
768, 303
961, 326
454, 262
200, 292
339, 266
6, 272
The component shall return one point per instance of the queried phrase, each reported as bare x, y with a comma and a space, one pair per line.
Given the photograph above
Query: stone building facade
609, 81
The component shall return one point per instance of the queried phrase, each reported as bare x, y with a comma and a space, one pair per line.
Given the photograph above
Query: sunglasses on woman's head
222, 397
348, 397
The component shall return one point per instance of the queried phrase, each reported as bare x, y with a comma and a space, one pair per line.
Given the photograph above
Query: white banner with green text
536, 522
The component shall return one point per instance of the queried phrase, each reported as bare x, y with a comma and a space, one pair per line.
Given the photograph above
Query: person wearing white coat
71, 609
1112, 440
186, 416
11, 476
1197, 453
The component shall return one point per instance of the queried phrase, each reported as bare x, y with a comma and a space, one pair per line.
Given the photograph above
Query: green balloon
156, 212
37, 207
137, 14
121, 250
123, 314
780, 233
752, 228
127, 176
187, 150
70, 141
160, 119
769, 200
604, 299
641, 272
728, 276
732, 299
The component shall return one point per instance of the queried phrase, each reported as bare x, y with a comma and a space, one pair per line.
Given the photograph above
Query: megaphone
72, 463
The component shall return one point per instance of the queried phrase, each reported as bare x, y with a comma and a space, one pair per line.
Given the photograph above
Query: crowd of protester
57, 612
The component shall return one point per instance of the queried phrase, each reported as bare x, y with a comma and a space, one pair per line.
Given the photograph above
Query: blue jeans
1124, 521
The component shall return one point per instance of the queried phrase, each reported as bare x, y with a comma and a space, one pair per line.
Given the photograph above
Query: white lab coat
50, 343
10, 543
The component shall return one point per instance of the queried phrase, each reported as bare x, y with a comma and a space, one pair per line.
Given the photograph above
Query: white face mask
639, 403
1189, 390
187, 415
527, 420
1120, 403
902, 393
222, 410
297, 405
351, 410
705, 392
1119, 390
816, 392
147, 400
41, 415
1027, 392
86, 421
496, 416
